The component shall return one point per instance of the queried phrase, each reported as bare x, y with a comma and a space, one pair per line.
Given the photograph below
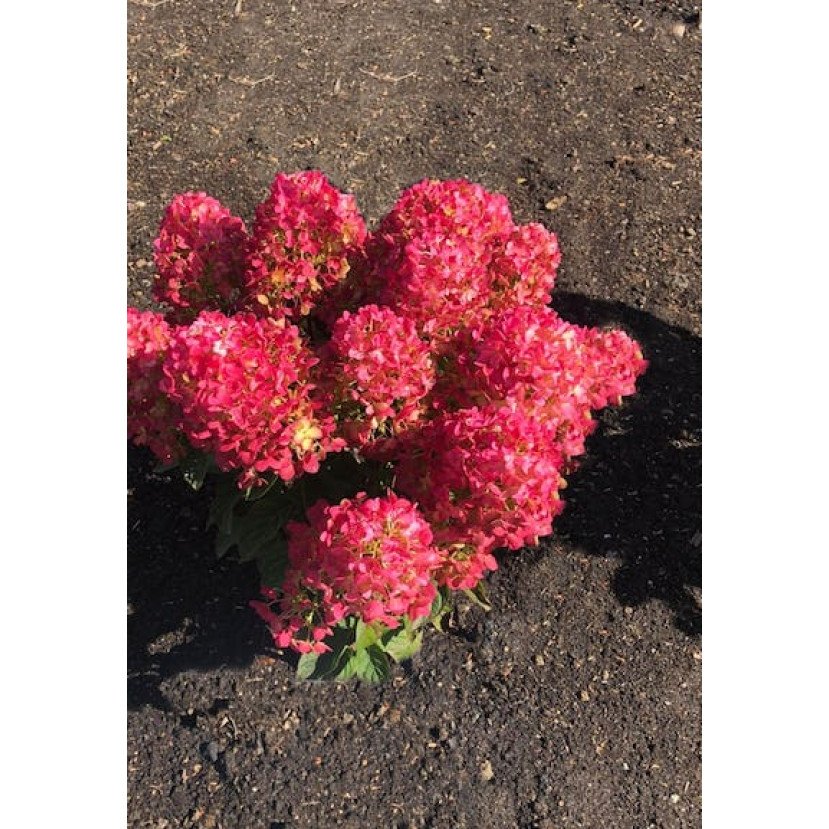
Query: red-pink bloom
302, 238
242, 384
367, 557
432, 253
614, 362
485, 476
151, 418
465, 563
379, 371
523, 268
301, 619
199, 256
533, 356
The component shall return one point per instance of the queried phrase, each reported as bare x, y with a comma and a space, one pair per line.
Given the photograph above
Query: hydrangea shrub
379, 412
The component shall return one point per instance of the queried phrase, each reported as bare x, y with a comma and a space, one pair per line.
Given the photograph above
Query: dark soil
576, 701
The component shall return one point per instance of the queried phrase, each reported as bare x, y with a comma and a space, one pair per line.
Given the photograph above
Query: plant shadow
187, 610
637, 494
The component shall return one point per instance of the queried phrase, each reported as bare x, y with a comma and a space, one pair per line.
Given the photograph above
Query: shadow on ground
187, 609
635, 498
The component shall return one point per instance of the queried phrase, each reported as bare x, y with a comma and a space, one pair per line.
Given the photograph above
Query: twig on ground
389, 78
249, 82
237, 9
150, 4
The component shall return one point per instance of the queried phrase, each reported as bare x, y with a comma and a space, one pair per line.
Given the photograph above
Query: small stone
584, 696
212, 751
486, 771
538, 659
674, 798
678, 30
555, 203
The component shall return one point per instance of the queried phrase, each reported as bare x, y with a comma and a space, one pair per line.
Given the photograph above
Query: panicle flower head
431, 254
562, 370
151, 417
199, 256
614, 362
367, 557
524, 267
379, 372
302, 238
484, 475
242, 384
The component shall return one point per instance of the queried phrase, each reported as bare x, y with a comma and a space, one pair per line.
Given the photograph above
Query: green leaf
366, 635
194, 469
318, 666
345, 660
441, 607
371, 664
251, 524
259, 492
273, 565
479, 595
255, 529
333, 664
307, 665
347, 670
227, 495
402, 644
257, 532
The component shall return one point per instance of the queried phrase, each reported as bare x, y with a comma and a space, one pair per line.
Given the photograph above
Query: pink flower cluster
152, 419
524, 266
371, 558
448, 254
484, 477
381, 372
559, 370
199, 256
425, 347
243, 387
302, 238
